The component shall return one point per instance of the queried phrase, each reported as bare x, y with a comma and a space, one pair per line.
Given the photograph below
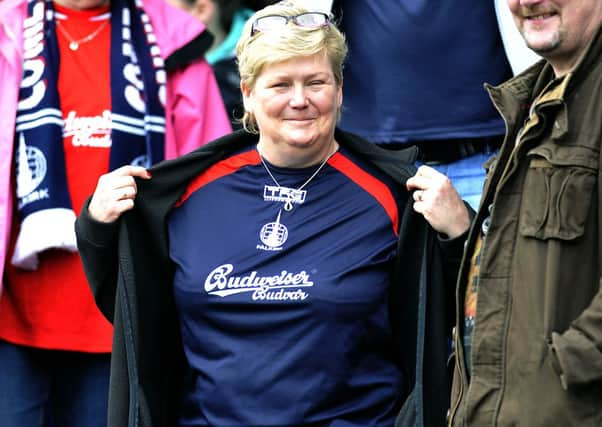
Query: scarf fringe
42, 230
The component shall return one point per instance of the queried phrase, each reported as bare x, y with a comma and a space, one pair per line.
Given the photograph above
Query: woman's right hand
115, 193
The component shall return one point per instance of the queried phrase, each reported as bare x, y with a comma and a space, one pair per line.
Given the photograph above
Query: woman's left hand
438, 201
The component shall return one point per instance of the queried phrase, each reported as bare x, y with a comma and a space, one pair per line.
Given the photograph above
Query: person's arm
196, 113
577, 352
96, 230
97, 245
437, 200
452, 250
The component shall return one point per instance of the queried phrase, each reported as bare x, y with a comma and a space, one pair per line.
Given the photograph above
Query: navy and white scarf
137, 121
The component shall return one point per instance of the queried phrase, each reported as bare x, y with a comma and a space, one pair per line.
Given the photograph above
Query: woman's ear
246, 97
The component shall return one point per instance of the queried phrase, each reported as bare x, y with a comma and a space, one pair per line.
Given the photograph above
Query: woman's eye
316, 82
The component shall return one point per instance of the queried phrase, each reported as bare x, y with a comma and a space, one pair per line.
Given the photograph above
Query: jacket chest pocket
558, 191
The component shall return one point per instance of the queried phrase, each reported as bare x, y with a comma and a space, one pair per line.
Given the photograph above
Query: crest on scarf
31, 171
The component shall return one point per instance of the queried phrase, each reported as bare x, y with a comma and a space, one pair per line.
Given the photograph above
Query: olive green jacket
537, 342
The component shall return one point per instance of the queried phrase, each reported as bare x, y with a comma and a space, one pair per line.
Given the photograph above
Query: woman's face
295, 104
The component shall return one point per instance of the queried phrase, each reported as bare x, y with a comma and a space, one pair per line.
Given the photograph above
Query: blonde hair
255, 52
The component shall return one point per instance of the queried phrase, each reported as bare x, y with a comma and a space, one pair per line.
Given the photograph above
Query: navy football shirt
416, 69
284, 313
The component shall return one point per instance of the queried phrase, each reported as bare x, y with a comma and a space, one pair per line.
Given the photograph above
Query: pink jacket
195, 111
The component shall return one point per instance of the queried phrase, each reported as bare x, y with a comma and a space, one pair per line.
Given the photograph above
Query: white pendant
74, 46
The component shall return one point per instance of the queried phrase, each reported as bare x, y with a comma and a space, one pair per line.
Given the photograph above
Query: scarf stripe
46, 116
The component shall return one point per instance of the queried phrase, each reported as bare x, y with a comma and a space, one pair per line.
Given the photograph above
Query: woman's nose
298, 98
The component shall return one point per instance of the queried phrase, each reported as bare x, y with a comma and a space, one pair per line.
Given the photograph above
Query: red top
53, 307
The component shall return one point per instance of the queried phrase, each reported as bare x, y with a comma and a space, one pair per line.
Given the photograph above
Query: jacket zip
509, 169
459, 362
512, 164
459, 367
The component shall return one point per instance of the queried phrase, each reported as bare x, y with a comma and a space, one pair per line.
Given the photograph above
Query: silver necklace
294, 194
74, 44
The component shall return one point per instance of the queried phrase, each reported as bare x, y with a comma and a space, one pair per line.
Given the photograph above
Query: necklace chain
74, 44
288, 205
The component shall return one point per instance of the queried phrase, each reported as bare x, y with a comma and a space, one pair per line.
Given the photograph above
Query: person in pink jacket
86, 86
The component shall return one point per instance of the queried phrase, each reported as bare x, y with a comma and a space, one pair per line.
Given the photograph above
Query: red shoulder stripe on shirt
218, 170
370, 184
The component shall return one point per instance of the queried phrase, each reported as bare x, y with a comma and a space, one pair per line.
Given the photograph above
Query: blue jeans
43, 388
467, 175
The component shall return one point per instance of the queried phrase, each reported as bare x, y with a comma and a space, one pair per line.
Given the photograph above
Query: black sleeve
190, 52
426, 269
97, 245
452, 251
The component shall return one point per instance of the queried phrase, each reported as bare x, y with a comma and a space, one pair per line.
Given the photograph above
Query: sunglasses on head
306, 20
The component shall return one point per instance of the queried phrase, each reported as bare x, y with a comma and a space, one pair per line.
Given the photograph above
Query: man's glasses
305, 20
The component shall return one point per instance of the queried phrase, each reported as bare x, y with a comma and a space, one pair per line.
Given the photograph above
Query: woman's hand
115, 193
438, 201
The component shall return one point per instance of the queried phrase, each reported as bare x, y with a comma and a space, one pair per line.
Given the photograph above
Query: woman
276, 276
87, 86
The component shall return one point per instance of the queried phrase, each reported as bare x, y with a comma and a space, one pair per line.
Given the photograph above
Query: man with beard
528, 337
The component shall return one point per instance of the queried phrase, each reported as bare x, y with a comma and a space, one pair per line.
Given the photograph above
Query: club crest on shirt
273, 235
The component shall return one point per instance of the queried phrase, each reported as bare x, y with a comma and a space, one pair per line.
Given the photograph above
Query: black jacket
130, 274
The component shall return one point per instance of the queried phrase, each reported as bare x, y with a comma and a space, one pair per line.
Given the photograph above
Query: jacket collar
174, 175
398, 164
514, 97
516, 94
